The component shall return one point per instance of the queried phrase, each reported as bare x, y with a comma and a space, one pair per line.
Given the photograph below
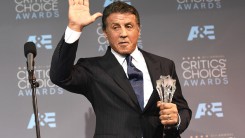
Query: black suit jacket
104, 83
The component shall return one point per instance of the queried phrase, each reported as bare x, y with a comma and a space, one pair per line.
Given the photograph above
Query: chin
124, 52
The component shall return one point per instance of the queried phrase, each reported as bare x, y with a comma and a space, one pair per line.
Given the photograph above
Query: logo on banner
204, 71
108, 2
200, 32
46, 87
103, 43
42, 41
187, 5
36, 9
209, 109
46, 119
214, 135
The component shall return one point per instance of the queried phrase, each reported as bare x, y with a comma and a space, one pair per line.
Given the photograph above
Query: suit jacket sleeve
63, 71
182, 105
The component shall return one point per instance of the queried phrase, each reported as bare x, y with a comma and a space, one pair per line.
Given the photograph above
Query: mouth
123, 43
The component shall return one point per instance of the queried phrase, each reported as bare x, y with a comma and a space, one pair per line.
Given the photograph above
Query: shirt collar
121, 58
136, 54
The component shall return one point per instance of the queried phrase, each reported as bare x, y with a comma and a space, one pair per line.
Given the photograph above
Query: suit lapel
153, 66
116, 72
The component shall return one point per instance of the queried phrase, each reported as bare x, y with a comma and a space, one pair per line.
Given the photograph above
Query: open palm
79, 14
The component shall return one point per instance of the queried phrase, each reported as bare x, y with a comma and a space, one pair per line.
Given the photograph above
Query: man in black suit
106, 81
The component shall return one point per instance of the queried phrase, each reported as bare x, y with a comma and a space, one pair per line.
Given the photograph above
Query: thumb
159, 103
96, 15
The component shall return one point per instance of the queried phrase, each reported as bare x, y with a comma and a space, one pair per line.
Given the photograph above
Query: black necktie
135, 77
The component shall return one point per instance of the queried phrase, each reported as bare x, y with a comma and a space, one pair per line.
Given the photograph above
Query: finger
161, 105
80, 2
96, 15
168, 120
71, 2
86, 3
75, 2
173, 118
164, 112
165, 118
167, 105
169, 111
173, 109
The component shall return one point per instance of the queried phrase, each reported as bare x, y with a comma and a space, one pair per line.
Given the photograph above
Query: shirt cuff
177, 126
71, 36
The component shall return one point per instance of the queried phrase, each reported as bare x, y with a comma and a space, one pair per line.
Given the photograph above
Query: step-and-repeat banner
205, 38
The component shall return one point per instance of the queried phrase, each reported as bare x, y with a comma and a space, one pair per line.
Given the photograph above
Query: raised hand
79, 15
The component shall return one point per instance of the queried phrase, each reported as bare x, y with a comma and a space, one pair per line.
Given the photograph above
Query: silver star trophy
166, 87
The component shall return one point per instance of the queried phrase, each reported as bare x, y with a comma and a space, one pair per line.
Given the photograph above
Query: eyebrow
128, 23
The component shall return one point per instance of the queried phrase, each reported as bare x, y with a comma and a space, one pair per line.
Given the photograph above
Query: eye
115, 27
129, 26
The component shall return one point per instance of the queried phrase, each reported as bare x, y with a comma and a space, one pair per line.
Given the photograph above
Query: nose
123, 33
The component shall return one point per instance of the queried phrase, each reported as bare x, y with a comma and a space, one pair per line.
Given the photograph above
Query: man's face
122, 32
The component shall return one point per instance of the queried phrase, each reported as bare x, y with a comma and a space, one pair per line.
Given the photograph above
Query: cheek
112, 38
134, 38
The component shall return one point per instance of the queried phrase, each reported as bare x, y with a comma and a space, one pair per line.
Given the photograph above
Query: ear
105, 34
139, 31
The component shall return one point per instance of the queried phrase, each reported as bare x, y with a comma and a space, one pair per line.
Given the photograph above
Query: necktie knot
129, 60
133, 72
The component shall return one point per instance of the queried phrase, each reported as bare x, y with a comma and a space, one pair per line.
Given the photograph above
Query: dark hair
119, 7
